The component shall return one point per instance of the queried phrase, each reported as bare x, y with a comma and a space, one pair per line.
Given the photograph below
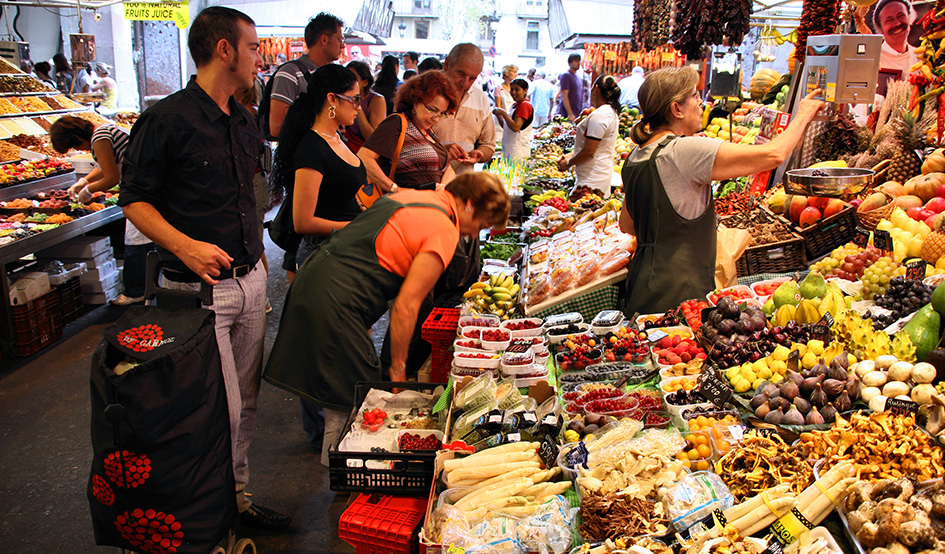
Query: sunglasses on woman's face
356, 99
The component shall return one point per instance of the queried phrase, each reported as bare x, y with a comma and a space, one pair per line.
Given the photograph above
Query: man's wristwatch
394, 187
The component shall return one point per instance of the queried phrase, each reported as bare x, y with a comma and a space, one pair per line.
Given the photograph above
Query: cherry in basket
411, 441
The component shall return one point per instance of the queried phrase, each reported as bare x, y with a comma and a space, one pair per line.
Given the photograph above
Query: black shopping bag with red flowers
162, 478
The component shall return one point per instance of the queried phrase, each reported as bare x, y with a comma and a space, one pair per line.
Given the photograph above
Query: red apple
914, 213
925, 213
856, 202
934, 220
798, 205
809, 216
833, 207
819, 202
936, 204
940, 192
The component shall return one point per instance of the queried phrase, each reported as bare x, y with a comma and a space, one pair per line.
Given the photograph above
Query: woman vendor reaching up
669, 205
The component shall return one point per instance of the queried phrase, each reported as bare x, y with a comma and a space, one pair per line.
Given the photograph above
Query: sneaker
123, 300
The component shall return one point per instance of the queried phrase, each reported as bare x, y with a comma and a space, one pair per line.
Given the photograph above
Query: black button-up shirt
195, 165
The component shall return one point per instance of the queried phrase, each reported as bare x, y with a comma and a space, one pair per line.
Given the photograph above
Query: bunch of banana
539, 198
612, 206
498, 296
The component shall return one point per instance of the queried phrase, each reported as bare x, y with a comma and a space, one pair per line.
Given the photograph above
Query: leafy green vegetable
498, 250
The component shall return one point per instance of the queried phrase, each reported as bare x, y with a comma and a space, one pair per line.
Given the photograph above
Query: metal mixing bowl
828, 181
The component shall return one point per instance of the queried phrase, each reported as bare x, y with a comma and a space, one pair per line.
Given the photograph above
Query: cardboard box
107, 282
100, 271
101, 297
29, 286
91, 263
79, 247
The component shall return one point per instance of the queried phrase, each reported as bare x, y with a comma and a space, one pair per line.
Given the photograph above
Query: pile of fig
740, 333
811, 397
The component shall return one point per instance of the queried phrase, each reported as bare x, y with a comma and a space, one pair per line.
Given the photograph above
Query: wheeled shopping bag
161, 480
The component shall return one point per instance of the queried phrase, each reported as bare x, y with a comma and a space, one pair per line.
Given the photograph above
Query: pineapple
933, 246
905, 162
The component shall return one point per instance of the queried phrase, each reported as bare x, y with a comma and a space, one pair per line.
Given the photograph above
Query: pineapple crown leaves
907, 132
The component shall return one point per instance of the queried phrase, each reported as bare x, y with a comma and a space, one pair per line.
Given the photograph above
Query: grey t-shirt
685, 167
289, 82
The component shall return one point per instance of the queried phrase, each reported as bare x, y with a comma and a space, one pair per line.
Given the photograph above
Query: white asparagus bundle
486, 472
472, 485
755, 502
493, 492
492, 459
540, 491
482, 511
751, 524
816, 501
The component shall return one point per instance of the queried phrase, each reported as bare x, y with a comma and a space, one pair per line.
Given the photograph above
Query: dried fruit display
126, 119
651, 23
29, 104
7, 67
9, 152
33, 143
819, 17
764, 228
67, 103
7, 107
705, 22
9, 83
52, 102
42, 122
92, 116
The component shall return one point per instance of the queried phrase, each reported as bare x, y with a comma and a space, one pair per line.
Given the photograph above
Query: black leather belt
191, 277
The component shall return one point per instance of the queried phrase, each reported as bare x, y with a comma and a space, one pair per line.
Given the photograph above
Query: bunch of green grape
876, 277
829, 264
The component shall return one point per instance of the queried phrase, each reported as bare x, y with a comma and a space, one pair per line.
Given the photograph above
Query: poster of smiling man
896, 21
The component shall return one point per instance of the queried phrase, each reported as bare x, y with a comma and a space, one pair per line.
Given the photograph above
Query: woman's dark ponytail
609, 90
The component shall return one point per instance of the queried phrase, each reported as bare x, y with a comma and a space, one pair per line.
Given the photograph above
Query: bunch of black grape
903, 297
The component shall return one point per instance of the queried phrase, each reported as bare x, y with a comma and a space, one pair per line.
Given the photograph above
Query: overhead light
403, 29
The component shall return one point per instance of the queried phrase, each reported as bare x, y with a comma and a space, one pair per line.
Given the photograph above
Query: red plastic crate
70, 300
376, 524
38, 323
439, 330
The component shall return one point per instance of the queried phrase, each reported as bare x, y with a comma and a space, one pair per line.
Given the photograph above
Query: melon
761, 82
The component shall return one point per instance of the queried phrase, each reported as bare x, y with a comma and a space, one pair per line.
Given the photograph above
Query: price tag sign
882, 240
820, 332
916, 270
633, 56
774, 548
904, 407
548, 451
657, 335
519, 347
793, 360
862, 237
577, 456
826, 320
714, 388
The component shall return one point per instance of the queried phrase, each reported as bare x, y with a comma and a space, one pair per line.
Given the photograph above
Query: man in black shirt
187, 183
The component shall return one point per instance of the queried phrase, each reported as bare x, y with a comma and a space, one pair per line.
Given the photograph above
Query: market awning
423, 46
594, 20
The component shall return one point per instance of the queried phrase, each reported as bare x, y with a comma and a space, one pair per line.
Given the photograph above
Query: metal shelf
37, 114
46, 93
40, 241
32, 188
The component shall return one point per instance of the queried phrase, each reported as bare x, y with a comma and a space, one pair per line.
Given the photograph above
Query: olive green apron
675, 257
323, 348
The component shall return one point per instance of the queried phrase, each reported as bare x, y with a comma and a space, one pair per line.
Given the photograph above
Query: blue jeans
133, 274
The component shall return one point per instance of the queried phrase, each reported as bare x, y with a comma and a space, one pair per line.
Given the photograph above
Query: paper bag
730, 245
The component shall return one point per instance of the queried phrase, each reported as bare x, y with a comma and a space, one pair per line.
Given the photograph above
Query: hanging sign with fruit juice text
916, 270
713, 388
862, 237
178, 12
882, 240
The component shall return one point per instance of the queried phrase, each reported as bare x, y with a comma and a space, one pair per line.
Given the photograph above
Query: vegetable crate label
713, 388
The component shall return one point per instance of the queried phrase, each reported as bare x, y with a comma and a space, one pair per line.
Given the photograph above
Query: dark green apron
323, 348
675, 257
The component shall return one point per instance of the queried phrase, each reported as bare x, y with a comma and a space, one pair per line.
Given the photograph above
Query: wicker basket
778, 257
869, 220
828, 233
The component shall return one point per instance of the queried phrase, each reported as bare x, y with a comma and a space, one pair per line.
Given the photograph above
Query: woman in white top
517, 123
595, 142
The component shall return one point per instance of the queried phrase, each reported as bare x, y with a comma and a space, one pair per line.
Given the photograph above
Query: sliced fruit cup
479, 320
726, 437
738, 293
557, 335
613, 407
526, 327
764, 289
467, 345
674, 384
576, 361
495, 339
697, 454
418, 440
476, 360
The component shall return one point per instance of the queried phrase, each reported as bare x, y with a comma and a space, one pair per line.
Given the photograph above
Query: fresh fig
789, 390
843, 402
769, 389
818, 369
774, 416
814, 417
792, 417
829, 412
833, 387
807, 386
802, 404
762, 411
842, 359
758, 400
794, 376
836, 371
818, 397
853, 387
779, 403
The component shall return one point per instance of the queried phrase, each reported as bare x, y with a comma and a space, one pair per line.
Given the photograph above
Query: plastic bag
615, 263
694, 498
500, 535
539, 288
480, 391
548, 529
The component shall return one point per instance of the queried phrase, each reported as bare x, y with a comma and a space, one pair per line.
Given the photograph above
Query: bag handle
400, 146
172, 299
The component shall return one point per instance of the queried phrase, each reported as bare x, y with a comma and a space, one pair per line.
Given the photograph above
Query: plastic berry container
423, 434
479, 320
480, 360
470, 332
512, 359
571, 361
467, 345
525, 327
498, 339
528, 370
615, 407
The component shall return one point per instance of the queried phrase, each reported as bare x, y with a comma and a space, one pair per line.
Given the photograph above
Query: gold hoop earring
331, 112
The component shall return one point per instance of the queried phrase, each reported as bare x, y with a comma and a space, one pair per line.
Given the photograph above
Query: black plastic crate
70, 300
405, 474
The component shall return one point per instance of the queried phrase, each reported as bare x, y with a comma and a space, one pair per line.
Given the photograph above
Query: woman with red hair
422, 162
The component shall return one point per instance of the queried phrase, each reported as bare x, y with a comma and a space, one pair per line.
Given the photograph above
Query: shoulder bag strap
400, 146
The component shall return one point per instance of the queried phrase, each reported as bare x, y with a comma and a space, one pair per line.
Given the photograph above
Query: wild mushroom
897, 548
856, 520
868, 535
913, 533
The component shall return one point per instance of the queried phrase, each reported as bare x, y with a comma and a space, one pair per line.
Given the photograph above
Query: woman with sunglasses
423, 161
313, 164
